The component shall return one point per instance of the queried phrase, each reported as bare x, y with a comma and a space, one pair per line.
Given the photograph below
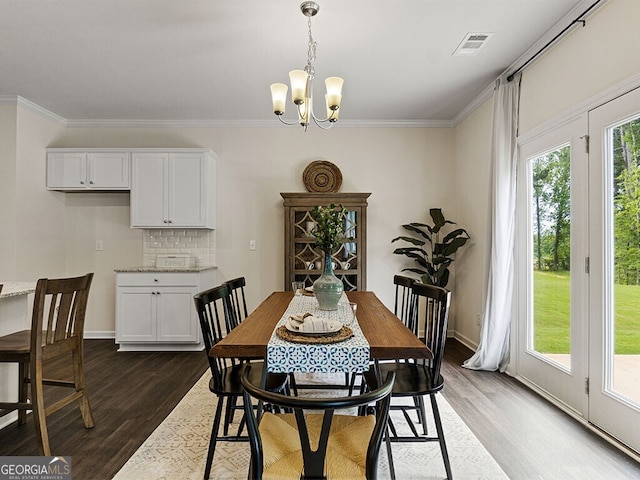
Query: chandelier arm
319, 123
328, 119
285, 122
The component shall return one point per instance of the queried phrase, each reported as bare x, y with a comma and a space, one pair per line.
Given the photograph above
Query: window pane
624, 327
551, 245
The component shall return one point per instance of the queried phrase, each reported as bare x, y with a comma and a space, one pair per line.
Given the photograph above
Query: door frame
566, 385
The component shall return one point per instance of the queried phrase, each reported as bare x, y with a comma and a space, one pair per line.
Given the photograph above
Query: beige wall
7, 192
587, 62
472, 199
407, 170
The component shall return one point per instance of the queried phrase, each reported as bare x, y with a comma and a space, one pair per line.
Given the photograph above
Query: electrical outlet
478, 319
252, 244
99, 245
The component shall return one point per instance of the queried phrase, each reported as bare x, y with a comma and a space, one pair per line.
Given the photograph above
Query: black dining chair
236, 287
236, 290
315, 442
401, 309
215, 312
415, 379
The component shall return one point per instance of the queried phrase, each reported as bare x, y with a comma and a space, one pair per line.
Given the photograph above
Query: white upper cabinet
173, 189
82, 170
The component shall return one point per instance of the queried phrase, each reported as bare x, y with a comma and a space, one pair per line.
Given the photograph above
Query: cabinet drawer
157, 279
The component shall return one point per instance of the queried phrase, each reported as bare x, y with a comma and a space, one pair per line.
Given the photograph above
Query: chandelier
302, 86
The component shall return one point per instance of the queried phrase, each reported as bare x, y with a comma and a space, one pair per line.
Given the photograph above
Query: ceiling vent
471, 44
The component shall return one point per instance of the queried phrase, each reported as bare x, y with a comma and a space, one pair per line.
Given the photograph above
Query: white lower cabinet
155, 310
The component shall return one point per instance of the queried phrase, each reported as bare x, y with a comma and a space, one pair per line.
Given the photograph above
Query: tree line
551, 182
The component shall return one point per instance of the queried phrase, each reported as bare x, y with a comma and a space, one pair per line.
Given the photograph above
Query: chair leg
39, 416
81, 386
294, 385
422, 417
214, 438
228, 415
443, 445
387, 441
23, 391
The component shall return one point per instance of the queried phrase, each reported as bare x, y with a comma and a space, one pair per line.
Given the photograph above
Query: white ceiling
213, 60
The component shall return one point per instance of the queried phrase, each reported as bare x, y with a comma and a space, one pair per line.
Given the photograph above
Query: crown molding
471, 107
22, 102
122, 123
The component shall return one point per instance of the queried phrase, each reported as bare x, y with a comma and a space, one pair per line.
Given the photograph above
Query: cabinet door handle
81, 182
157, 293
165, 221
91, 182
153, 293
170, 221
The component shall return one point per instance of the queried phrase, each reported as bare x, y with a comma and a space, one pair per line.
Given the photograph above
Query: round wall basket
321, 176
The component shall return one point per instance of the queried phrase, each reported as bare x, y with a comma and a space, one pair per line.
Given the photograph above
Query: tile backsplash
201, 243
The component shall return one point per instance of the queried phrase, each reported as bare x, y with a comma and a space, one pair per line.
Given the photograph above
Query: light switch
252, 244
98, 245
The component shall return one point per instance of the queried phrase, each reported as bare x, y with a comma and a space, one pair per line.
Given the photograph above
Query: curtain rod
577, 20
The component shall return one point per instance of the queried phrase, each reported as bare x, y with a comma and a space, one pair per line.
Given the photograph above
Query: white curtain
493, 350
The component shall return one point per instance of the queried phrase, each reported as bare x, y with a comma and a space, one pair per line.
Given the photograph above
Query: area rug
177, 449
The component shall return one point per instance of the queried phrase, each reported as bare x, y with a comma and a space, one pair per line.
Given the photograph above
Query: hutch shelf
303, 262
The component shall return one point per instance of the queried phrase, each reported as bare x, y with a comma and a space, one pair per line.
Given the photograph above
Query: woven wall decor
321, 176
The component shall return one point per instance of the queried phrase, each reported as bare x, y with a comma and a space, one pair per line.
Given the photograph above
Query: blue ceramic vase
328, 288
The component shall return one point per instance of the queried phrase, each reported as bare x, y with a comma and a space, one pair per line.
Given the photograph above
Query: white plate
334, 327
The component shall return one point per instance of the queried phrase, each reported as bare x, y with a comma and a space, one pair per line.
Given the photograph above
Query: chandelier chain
311, 54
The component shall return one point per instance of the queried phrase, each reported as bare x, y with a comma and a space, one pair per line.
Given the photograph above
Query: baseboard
99, 335
467, 342
579, 418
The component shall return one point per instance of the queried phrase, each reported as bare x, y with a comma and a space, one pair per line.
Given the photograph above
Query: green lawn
551, 312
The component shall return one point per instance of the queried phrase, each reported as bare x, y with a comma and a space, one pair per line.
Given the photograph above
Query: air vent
471, 44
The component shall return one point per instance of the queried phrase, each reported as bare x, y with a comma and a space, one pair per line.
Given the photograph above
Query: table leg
387, 438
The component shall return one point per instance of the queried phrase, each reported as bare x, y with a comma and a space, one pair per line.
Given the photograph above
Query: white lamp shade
332, 114
298, 85
334, 85
279, 97
303, 114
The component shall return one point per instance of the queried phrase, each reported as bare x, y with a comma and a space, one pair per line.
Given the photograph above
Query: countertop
163, 270
13, 289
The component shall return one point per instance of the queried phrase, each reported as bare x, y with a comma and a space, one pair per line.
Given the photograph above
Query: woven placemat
321, 176
341, 335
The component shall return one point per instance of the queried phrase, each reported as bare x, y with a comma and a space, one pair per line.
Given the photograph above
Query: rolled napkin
307, 323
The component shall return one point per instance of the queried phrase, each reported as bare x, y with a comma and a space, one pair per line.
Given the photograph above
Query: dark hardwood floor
530, 438
132, 393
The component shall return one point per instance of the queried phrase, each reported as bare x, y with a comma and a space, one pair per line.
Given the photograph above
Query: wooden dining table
387, 336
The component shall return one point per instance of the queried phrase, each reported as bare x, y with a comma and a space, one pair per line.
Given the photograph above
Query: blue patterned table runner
352, 355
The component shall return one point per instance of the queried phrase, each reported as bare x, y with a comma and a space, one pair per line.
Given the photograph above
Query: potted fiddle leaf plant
328, 233
432, 248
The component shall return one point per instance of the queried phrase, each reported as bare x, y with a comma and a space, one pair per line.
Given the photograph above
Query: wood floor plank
529, 437
131, 393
